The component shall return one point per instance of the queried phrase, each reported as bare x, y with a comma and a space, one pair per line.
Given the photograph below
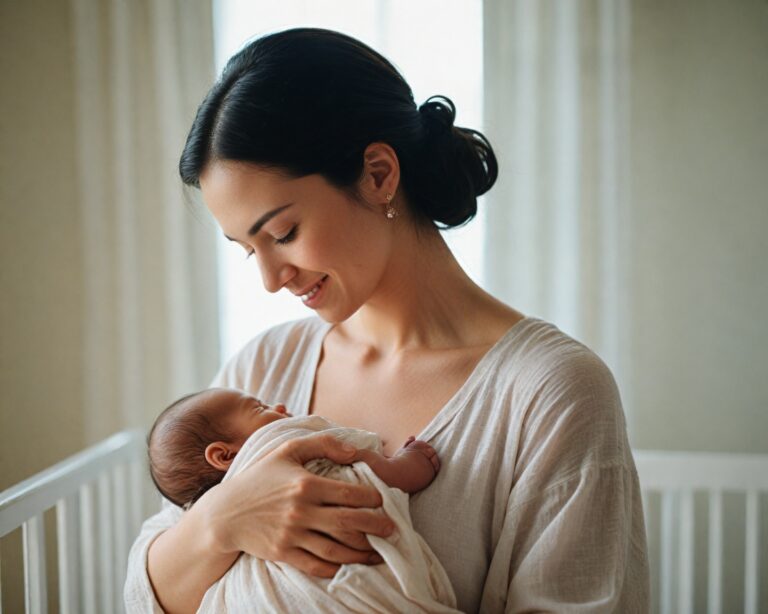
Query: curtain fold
151, 321
555, 108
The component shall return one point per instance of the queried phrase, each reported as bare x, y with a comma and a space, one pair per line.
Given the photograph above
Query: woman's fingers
352, 539
310, 564
342, 522
331, 551
326, 491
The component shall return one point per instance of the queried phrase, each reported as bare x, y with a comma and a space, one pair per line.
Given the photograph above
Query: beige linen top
537, 505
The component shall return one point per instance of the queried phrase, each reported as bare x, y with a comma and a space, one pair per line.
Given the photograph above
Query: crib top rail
662, 470
43, 490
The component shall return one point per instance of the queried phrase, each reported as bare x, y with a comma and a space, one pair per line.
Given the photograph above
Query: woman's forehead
233, 182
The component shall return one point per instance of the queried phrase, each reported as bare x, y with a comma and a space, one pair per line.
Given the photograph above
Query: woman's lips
313, 297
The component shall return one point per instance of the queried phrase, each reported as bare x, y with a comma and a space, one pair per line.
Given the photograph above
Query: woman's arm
274, 510
184, 561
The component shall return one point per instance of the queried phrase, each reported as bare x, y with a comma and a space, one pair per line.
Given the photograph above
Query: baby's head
194, 440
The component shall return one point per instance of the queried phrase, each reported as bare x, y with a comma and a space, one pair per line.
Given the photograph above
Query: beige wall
41, 353
699, 178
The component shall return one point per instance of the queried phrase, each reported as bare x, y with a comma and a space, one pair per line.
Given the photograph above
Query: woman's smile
315, 295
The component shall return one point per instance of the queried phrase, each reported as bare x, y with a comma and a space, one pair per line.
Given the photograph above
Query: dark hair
176, 449
309, 100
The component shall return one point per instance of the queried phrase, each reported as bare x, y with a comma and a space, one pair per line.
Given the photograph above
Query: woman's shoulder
269, 347
545, 374
561, 386
539, 351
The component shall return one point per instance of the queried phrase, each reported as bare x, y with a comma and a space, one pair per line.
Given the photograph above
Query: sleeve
573, 536
138, 594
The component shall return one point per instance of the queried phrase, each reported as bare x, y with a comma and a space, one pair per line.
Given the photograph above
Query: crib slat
751, 554
88, 548
35, 584
122, 535
67, 519
106, 568
685, 587
646, 499
715, 595
135, 473
649, 528
666, 574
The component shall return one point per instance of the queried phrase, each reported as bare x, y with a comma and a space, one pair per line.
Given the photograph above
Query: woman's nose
274, 275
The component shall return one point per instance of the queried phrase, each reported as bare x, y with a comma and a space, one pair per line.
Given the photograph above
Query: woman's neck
425, 301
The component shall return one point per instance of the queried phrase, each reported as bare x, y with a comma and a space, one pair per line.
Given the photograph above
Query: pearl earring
391, 211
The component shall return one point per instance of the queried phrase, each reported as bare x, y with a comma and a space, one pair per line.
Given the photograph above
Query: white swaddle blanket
411, 579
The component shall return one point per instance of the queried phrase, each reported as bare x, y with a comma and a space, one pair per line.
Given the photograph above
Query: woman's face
305, 234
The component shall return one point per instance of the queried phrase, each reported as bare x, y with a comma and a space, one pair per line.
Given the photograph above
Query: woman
312, 155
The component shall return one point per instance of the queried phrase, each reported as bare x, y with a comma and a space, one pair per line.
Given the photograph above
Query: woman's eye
281, 241
287, 238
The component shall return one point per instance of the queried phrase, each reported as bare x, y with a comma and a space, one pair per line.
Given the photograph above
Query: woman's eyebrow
264, 219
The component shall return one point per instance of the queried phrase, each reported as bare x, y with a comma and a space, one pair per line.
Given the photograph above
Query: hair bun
439, 109
458, 165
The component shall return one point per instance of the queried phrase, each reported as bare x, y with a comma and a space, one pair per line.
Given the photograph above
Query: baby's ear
220, 455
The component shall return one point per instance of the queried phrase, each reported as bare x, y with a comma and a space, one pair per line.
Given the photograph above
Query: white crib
673, 479
97, 498
97, 495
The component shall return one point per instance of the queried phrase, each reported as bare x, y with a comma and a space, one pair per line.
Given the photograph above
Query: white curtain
151, 323
556, 105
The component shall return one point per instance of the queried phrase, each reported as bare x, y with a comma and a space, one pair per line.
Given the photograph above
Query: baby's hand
418, 463
422, 447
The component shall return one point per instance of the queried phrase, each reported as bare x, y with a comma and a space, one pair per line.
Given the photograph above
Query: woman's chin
331, 316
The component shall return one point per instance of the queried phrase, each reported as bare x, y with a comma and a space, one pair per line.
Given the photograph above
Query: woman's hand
278, 511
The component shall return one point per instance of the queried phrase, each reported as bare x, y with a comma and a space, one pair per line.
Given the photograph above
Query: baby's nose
280, 408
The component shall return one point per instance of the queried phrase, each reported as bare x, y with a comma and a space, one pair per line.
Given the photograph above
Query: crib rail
675, 477
97, 497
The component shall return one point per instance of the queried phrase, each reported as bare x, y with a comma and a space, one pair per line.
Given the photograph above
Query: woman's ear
381, 172
220, 455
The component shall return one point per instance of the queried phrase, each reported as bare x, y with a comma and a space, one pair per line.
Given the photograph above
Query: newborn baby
210, 436
194, 441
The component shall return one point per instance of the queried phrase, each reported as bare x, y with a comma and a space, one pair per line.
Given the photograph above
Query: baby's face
246, 414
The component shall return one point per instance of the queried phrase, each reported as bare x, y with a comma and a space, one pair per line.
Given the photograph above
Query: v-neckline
444, 415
